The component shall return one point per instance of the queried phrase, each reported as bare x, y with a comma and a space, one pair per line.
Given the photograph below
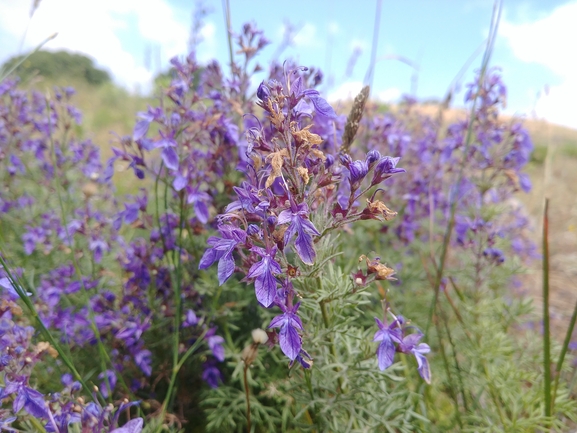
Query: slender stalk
23, 59
326, 323
468, 141
451, 391
564, 348
247, 394
377, 25
227, 22
174, 374
177, 260
456, 361
546, 322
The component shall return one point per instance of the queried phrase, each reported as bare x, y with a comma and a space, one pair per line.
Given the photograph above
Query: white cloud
208, 45
391, 94
307, 36
346, 91
549, 41
91, 28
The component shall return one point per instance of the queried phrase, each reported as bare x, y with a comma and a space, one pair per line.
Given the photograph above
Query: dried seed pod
354, 118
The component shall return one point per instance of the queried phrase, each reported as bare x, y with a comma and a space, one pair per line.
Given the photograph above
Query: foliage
61, 65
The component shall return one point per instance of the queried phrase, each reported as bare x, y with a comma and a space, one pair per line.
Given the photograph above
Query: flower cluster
296, 190
58, 412
393, 338
478, 169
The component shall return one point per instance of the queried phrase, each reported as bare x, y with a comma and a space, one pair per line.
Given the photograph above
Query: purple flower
409, 346
221, 249
385, 168
190, 319
494, 255
132, 426
321, 105
304, 359
143, 360
215, 344
168, 154
525, 182
265, 283
263, 93
199, 200
289, 324
300, 225
108, 382
358, 170
211, 374
372, 157
4, 424
141, 127
32, 401
386, 335
7, 287
392, 335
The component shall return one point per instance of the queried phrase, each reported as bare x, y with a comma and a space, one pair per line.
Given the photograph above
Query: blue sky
533, 48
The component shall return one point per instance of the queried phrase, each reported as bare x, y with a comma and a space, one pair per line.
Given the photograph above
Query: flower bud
272, 222
345, 159
259, 336
385, 168
263, 92
372, 157
358, 170
253, 230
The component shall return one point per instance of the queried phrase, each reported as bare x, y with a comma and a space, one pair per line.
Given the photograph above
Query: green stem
326, 323
247, 394
227, 22
546, 323
23, 59
451, 391
564, 348
468, 141
174, 374
177, 259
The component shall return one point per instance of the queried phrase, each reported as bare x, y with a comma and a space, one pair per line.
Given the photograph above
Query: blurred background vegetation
109, 112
